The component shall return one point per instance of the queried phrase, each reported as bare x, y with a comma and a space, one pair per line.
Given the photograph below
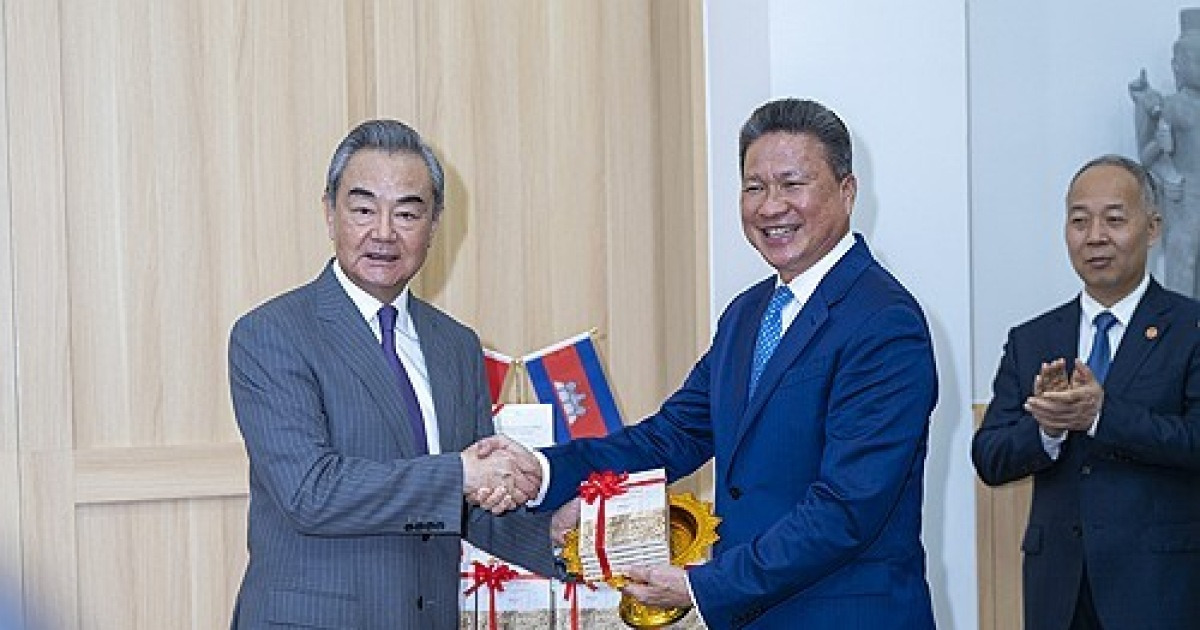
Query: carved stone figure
1168, 139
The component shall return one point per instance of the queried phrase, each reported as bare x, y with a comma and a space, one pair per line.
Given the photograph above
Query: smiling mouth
780, 232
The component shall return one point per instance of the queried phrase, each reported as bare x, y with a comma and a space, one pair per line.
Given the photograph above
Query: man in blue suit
814, 399
359, 404
1113, 443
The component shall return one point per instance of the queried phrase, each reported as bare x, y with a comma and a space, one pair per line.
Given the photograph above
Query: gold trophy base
635, 614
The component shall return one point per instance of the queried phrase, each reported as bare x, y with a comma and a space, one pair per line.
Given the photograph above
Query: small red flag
496, 366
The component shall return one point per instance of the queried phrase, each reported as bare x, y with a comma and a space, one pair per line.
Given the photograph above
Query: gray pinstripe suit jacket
347, 527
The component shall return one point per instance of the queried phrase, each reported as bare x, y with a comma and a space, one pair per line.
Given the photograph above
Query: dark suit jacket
1128, 501
348, 528
818, 476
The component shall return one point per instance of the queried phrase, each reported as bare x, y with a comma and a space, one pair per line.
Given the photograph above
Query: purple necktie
387, 328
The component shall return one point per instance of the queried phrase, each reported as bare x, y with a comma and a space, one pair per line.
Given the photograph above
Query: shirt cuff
692, 594
545, 464
1052, 445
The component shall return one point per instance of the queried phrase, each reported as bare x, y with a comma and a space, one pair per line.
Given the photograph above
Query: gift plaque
691, 532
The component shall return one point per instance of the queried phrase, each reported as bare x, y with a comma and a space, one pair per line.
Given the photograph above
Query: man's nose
385, 227
1097, 232
774, 202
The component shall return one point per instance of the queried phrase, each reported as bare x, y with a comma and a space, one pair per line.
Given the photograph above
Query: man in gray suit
360, 405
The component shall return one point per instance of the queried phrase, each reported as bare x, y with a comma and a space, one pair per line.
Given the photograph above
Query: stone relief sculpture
1168, 140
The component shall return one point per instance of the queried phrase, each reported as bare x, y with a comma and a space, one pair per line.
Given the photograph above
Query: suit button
420, 602
1077, 530
1086, 470
735, 492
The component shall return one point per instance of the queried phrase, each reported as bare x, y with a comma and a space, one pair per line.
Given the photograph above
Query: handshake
499, 474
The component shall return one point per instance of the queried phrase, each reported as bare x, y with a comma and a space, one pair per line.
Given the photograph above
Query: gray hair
1147, 186
390, 136
798, 116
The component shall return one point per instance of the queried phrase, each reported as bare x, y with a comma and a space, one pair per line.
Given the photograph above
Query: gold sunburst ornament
693, 530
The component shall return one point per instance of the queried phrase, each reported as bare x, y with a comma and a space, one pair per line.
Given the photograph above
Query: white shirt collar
805, 284
368, 306
1122, 310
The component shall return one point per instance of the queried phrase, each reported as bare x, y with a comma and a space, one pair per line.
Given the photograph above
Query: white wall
896, 73
1048, 91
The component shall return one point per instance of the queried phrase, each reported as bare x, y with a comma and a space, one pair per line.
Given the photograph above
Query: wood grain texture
41, 311
10, 469
1001, 516
167, 163
113, 475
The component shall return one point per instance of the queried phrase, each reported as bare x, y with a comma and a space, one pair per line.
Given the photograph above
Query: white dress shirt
1089, 309
802, 286
408, 347
805, 284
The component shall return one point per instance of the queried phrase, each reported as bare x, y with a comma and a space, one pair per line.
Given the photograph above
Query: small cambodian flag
568, 375
496, 366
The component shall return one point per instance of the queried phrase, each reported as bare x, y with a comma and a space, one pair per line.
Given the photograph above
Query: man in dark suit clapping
1113, 441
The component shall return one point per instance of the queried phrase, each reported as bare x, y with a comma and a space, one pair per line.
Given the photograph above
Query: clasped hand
1061, 405
499, 474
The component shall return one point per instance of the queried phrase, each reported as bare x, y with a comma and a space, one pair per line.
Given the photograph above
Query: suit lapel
812, 317
1062, 337
444, 381
1151, 321
349, 336
741, 353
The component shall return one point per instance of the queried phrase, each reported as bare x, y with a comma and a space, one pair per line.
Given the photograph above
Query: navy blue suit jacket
1126, 502
818, 475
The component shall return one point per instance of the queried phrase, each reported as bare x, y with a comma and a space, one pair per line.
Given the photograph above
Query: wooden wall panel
169, 159
1002, 514
179, 563
161, 119
40, 259
573, 184
10, 470
682, 203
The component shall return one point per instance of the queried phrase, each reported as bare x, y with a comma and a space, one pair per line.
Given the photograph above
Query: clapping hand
1074, 408
499, 474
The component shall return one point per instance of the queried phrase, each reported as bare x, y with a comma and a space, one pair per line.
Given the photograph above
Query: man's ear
328, 204
1154, 225
849, 192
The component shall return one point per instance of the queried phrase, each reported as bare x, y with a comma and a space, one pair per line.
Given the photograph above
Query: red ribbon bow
601, 486
493, 576
570, 594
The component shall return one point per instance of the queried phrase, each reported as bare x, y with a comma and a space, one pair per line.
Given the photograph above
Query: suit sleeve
876, 427
283, 418
1008, 444
677, 438
520, 537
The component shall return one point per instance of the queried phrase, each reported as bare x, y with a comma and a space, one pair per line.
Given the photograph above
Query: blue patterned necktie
1101, 356
769, 333
387, 328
